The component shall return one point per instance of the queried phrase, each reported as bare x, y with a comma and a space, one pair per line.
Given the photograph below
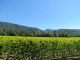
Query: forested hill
11, 29
69, 31
11, 26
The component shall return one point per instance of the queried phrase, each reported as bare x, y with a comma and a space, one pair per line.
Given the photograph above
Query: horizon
41, 29
42, 14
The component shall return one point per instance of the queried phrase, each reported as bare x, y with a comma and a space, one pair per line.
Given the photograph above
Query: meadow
39, 48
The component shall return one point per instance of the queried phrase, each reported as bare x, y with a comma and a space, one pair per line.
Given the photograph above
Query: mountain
69, 31
33, 30
49, 30
7, 25
10, 26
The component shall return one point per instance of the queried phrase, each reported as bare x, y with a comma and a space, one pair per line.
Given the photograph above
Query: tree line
54, 33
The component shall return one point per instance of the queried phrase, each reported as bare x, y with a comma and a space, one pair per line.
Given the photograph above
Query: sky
43, 14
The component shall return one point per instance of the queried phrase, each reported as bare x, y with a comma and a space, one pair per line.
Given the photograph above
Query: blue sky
43, 14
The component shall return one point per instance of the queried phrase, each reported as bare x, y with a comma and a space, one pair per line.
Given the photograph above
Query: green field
39, 48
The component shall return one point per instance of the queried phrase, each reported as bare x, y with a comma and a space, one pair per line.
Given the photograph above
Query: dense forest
10, 29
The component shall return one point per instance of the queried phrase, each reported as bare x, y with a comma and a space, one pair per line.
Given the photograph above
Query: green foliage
74, 34
63, 33
36, 48
55, 33
9, 29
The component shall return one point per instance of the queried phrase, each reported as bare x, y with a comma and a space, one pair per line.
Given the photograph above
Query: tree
74, 34
1, 31
55, 33
63, 33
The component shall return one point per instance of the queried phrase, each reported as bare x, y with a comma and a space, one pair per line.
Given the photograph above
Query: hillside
11, 29
10, 26
69, 31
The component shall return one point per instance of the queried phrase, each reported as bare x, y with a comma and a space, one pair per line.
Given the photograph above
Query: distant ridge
10, 26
